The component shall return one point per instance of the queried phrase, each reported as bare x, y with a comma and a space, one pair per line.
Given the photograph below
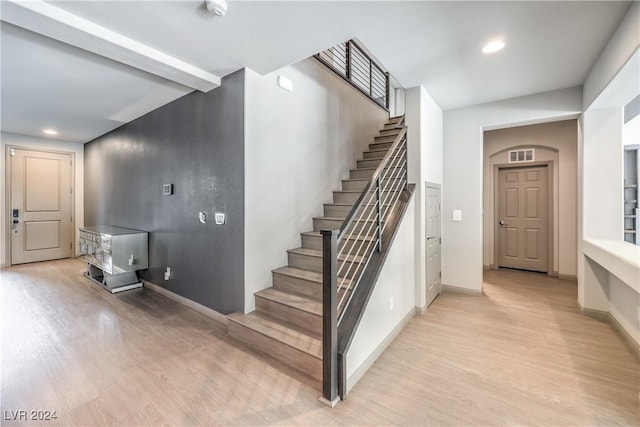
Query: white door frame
7, 197
550, 209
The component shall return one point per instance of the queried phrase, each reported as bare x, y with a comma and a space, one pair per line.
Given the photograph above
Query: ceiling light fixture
492, 47
50, 132
217, 7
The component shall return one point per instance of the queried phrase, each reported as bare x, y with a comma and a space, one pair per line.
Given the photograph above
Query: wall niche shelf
631, 180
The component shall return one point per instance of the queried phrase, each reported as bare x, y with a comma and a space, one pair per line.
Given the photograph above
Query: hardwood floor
519, 355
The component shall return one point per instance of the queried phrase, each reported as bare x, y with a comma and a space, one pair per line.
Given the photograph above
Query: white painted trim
206, 311
43, 18
610, 318
364, 367
459, 290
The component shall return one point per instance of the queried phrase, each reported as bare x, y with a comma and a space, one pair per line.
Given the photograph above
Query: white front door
433, 242
40, 215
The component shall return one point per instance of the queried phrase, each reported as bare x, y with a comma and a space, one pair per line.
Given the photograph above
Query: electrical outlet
202, 216
391, 304
220, 218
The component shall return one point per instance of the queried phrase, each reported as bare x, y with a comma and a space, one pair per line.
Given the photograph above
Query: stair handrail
333, 307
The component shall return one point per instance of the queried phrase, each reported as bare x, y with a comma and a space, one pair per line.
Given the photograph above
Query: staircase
287, 322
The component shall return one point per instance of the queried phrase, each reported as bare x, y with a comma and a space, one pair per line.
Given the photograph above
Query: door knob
430, 237
503, 222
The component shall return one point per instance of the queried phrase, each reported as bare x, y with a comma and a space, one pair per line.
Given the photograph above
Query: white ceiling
46, 83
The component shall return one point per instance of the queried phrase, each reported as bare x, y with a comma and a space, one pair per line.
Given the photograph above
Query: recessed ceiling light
50, 131
492, 47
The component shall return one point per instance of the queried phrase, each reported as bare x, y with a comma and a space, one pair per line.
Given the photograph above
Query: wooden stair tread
291, 300
317, 253
299, 273
318, 234
279, 332
333, 218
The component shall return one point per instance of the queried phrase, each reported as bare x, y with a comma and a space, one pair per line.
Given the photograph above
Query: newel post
329, 317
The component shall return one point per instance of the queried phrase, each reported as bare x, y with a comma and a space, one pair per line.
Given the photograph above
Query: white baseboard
459, 290
187, 302
420, 310
605, 316
362, 369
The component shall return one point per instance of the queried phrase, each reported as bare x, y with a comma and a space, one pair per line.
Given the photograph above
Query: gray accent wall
195, 143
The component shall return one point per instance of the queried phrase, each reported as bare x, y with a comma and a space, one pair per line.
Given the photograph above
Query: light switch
456, 215
167, 189
220, 218
202, 216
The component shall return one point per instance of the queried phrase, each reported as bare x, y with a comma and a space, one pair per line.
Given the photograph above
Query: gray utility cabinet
114, 255
631, 194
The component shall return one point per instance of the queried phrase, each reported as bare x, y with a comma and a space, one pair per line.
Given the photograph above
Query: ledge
620, 258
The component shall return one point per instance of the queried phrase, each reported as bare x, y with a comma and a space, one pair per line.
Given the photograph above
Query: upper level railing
347, 251
350, 61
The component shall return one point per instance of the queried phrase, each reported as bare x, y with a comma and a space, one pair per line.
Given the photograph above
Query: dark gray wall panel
197, 144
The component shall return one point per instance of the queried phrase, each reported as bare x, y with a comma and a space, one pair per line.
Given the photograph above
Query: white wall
613, 81
462, 244
379, 323
624, 304
38, 144
424, 121
619, 49
555, 142
602, 174
298, 146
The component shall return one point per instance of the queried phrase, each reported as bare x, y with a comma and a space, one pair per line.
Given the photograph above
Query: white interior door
40, 216
433, 243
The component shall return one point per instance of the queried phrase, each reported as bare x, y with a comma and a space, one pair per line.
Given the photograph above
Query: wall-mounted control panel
167, 189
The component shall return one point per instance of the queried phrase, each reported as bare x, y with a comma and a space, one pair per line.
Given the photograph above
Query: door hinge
12, 152
439, 239
440, 274
70, 245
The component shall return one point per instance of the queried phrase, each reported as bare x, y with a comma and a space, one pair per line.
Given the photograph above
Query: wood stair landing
287, 322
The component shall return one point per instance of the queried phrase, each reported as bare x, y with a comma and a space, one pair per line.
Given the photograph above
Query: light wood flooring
519, 355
